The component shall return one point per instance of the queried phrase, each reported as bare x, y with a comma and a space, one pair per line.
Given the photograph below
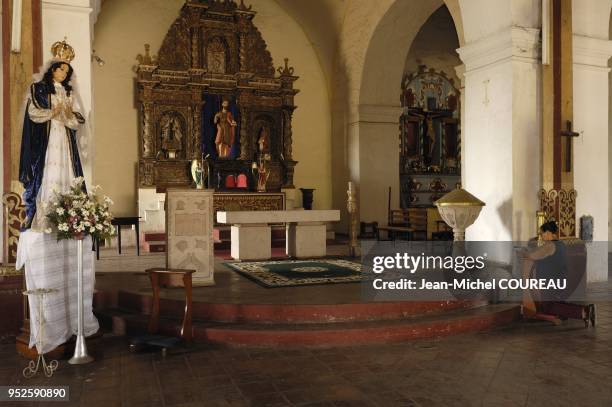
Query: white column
74, 20
500, 132
374, 159
1, 151
591, 147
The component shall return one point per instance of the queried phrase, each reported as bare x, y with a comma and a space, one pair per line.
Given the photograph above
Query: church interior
259, 154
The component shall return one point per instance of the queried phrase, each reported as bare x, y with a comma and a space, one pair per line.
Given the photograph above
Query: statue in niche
409, 98
226, 129
263, 140
215, 56
171, 135
451, 102
431, 135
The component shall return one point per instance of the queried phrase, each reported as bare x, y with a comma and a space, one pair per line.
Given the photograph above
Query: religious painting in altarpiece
430, 153
213, 94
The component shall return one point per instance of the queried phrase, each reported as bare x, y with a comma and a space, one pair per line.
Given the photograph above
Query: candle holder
48, 369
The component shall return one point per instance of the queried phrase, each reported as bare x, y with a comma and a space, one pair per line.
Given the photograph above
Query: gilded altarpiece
214, 52
430, 155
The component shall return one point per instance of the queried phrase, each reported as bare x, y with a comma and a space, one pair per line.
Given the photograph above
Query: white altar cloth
52, 264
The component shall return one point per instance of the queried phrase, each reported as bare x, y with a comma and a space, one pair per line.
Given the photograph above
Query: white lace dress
58, 173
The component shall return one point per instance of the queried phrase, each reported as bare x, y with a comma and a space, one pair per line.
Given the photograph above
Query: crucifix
568, 133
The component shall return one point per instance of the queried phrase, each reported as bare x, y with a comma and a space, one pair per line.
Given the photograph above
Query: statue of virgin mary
49, 163
49, 158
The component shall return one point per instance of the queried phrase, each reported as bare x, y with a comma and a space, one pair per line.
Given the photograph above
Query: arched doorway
376, 161
430, 122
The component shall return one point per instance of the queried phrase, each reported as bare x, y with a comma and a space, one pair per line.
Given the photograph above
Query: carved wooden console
212, 53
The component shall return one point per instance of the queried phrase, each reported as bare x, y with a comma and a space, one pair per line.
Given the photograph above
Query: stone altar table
251, 233
189, 225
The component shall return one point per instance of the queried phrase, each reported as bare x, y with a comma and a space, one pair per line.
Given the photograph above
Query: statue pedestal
189, 225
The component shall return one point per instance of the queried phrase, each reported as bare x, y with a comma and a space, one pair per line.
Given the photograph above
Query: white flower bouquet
77, 214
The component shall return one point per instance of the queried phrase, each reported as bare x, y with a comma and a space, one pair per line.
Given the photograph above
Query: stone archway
499, 40
374, 103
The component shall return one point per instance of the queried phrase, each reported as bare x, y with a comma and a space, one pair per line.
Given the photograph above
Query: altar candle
350, 186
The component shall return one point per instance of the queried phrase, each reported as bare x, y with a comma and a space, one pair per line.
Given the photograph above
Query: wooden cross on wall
568, 133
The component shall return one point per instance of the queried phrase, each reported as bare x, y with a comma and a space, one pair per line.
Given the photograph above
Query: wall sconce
96, 58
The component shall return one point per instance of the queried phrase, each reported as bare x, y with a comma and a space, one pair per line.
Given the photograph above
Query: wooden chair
417, 219
368, 230
399, 224
172, 278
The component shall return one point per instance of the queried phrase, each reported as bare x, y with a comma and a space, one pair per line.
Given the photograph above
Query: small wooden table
172, 278
118, 222
124, 221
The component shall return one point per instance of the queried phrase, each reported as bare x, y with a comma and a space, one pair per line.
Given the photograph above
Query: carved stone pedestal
189, 223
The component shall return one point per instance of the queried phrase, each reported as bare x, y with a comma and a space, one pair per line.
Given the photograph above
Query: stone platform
237, 311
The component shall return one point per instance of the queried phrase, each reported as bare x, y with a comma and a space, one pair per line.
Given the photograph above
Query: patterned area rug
289, 273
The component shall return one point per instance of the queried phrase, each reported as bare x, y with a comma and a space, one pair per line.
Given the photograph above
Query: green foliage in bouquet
76, 214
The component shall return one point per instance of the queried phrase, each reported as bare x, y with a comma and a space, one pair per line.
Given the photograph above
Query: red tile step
291, 313
154, 236
327, 334
153, 242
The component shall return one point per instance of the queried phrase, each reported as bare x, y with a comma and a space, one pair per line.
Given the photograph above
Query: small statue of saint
199, 173
263, 141
225, 130
171, 136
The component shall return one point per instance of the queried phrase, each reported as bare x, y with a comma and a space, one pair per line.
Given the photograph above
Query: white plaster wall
591, 147
590, 18
500, 137
74, 19
487, 149
591, 51
379, 168
526, 146
1, 149
482, 18
591, 165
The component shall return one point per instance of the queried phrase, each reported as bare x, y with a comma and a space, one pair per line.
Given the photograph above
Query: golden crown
62, 51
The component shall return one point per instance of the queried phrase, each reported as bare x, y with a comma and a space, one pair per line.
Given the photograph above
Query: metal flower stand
32, 368
80, 356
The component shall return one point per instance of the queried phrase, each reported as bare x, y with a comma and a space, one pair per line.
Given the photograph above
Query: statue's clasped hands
62, 110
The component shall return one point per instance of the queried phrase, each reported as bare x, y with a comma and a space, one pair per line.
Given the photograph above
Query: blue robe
34, 140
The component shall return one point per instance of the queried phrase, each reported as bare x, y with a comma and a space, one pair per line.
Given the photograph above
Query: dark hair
48, 77
550, 226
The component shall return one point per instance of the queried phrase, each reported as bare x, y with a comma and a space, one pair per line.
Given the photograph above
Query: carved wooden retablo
15, 216
213, 51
